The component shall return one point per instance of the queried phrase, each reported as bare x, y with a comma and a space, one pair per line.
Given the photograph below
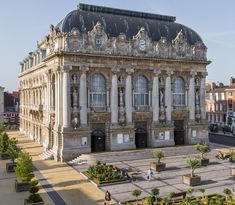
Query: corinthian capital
169, 72
130, 71
115, 70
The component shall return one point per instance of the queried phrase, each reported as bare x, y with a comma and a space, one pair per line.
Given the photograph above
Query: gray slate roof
116, 21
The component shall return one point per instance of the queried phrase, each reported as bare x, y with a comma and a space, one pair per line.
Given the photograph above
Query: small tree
172, 195
3, 142
157, 153
24, 167
193, 163
136, 193
164, 201
228, 193
190, 192
202, 148
202, 190
13, 150
34, 196
155, 193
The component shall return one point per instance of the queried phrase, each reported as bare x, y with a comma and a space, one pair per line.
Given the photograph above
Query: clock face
98, 42
142, 45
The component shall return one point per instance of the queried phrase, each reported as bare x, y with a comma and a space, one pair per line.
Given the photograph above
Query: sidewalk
61, 184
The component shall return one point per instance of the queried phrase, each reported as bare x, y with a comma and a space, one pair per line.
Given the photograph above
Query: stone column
202, 96
128, 96
155, 96
168, 94
191, 99
48, 94
57, 98
114, 97
83, 96
66, 98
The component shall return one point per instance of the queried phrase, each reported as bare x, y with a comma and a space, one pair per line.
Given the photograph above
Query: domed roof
116, 21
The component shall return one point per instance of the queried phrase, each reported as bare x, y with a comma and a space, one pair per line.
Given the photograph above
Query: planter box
34, 203
205, 162
191, 181
10, 167
233, 172
4, 156
21, 186
158, 166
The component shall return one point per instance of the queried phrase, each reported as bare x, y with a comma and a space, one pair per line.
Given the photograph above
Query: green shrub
101, 172
24, 167
4, 141
34, 196
12, 149
150, 200
136, 193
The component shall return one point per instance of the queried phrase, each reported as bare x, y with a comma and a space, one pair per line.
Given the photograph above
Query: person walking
107, 197
149, 174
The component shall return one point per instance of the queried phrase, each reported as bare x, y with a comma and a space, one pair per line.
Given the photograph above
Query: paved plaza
64, 185
215, 177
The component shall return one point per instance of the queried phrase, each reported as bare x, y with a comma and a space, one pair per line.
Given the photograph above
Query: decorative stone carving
51, 38
199, 51
141, 40
121, 107
162, 48
121, 46
162, 113
75, 41
197, 103
180, 44
97, 37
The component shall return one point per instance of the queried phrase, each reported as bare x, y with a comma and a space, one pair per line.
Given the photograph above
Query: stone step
82, 159
47, 155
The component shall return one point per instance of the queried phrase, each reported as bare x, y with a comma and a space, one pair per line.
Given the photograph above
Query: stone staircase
84, 159
47, 155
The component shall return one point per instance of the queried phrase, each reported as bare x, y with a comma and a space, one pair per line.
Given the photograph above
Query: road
221, 138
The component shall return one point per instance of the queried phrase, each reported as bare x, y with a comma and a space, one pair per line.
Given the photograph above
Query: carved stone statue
121, 108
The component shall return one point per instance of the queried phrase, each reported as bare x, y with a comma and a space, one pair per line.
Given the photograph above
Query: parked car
226, 128
213, 127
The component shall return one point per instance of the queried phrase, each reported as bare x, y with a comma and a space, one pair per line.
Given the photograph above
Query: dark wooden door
141, 138
179, 132
97, 141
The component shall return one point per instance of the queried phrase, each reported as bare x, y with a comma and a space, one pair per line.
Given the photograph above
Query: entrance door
179, 132
97, 141
140, 138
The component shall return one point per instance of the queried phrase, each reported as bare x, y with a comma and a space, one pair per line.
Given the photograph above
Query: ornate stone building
111, 79
1, 103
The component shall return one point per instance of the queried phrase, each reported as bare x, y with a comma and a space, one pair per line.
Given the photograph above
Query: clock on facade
142, 45
98, 42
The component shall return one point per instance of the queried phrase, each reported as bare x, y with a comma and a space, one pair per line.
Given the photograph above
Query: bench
130, 175
222, 155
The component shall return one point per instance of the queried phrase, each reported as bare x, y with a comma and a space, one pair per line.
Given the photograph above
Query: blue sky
25, 22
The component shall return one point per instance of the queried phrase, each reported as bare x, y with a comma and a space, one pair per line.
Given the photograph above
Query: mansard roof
116, 21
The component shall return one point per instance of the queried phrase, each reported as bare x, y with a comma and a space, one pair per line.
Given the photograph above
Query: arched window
98, 91
178, 92
141, 97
